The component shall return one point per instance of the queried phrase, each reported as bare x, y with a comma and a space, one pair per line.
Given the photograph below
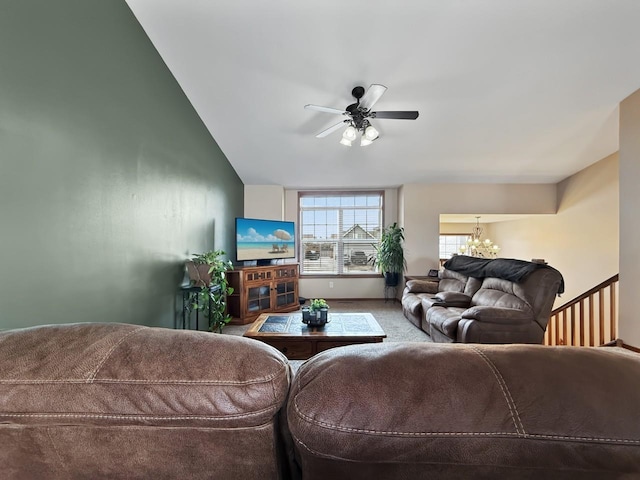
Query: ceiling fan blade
371, 96
402, 115
332, 129
325, 109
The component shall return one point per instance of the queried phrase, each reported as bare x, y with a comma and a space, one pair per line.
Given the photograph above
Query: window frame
465, 235
329, 193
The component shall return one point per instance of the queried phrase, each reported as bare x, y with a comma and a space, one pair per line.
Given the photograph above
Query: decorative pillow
454, 299
422, 286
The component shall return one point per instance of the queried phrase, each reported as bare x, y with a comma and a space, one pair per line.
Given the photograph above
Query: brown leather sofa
453, 411
500, 301
114, 401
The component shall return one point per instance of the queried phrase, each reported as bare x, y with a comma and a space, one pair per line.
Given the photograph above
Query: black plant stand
189, 296
390, 293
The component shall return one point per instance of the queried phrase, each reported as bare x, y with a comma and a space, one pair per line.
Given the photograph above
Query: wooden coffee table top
357, 326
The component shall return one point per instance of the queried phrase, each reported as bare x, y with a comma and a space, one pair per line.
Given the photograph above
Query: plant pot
315, 318
391, 279
199, 274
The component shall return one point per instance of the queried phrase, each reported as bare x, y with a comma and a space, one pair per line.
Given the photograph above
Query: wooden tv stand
258, 290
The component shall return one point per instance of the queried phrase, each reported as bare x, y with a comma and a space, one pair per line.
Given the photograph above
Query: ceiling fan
359, 114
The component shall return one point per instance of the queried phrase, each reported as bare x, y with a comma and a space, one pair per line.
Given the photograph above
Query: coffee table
298, 341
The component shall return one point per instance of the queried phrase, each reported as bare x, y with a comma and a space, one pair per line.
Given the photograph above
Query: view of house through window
450, 244
339, 231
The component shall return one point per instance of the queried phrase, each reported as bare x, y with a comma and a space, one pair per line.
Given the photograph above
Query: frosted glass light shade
371, 133
349, 133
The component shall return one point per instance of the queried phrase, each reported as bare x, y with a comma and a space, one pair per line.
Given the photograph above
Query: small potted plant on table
317, 314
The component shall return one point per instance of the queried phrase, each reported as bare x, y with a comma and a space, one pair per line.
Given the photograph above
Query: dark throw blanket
505, 268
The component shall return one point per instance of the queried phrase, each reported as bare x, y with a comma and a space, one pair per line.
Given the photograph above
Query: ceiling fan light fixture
358, 115
371, 133
349, 133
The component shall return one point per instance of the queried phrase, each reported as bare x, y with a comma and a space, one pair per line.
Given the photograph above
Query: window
338, 232
450, 244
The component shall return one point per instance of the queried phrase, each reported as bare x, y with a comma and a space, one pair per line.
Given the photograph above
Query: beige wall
417, 208
423, 205
581, 240
466, 228
274, 202
264, 201
629, 322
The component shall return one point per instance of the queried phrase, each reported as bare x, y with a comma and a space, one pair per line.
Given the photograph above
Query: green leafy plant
318, 303
390, 251
212, 298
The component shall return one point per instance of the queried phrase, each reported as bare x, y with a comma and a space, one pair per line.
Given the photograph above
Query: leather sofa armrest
453, 299
501, 315
421, 286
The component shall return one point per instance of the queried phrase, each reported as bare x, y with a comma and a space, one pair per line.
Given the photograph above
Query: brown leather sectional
491, 307
115, 401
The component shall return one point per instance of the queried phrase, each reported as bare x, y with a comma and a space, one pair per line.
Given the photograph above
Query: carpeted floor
387, 314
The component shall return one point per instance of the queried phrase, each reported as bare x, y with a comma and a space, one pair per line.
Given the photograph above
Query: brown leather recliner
417, 291
501, 311
458, 411
114, 401
508, 302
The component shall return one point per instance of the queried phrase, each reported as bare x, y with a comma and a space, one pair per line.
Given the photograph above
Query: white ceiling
508, 91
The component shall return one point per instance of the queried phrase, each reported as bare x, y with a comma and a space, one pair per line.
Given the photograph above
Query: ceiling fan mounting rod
358, 92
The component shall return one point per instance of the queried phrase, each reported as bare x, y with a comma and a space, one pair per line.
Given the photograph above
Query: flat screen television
264, 240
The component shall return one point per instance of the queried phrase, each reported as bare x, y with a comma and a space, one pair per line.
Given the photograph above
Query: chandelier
476, 247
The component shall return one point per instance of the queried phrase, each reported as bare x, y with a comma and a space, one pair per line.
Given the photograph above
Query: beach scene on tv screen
262, 239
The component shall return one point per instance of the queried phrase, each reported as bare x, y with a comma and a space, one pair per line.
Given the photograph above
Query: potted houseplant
316, 314
390, 254
211, 277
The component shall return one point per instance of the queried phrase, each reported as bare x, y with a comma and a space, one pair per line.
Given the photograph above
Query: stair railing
590, 319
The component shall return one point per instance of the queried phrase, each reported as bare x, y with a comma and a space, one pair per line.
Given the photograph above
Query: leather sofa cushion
453, 299
118, 402
421, 286
502, 315
445, 319
499, 293
109, 373
424, 410
412, 302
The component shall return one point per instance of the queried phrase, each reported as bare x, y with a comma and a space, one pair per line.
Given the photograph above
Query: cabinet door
258, 299
285, 293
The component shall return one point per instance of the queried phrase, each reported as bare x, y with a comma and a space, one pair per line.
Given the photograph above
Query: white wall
629, 320
581, 240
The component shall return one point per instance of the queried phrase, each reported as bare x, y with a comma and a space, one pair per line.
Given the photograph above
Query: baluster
612, 310
601, 314
592, 326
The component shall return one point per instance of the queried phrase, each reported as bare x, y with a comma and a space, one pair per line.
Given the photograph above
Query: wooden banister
569, 325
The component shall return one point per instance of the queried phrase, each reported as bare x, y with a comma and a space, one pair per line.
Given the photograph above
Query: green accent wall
108, 178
